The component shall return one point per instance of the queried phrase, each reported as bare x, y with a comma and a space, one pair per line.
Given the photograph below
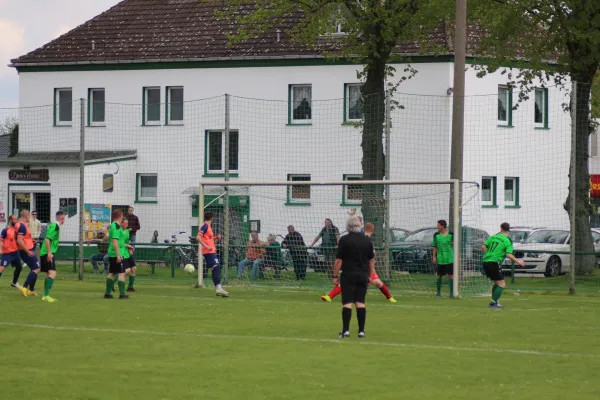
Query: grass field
170, 341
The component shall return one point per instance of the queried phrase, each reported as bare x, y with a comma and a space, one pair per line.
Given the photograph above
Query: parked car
399, 234
539, 252
518, 234
415, 253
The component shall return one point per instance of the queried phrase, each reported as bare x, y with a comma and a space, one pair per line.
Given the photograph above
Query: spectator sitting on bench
255, 254
102, 254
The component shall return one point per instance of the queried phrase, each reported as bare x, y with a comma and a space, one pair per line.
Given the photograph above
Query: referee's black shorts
354, 287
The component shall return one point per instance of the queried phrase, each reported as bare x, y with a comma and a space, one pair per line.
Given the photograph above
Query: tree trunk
580, 218
373, 161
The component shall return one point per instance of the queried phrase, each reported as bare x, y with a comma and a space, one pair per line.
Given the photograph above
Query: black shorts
493, 270
47, 265
129, 262
114, 267
445, 269
354, 288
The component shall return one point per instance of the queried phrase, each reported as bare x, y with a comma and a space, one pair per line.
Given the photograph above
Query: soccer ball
189, 269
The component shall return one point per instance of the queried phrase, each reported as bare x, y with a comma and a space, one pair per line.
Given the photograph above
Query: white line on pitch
303, 340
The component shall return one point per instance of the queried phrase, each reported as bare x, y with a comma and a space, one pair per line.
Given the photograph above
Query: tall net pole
573, 188
226, 215
386, 224
456, 188
81, 182
200, 282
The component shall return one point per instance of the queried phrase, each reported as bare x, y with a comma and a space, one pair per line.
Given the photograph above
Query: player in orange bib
10, 250
206, 238
27, 253
375, 281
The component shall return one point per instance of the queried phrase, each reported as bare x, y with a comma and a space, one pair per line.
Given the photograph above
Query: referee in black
356, 258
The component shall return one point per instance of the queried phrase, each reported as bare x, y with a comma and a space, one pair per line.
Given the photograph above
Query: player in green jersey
495, 249
443, 256
128, 255
116, 251
49, 247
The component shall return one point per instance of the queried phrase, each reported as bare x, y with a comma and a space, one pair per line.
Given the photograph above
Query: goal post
269, 211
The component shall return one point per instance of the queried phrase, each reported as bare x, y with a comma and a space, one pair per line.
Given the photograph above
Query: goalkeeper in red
375, 281
495, 249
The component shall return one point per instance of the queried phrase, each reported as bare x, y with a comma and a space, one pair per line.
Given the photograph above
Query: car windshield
517, 236
548, 237
421, 236
399, 235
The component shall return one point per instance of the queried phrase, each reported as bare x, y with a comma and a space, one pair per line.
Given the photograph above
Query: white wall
269, 149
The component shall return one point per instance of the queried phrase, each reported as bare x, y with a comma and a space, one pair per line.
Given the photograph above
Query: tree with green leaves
372, 30
559, 42
11, 127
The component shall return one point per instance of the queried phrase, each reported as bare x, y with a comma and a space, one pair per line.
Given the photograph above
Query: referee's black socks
361, 315
346, 317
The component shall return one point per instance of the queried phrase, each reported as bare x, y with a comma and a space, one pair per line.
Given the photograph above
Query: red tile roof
174, 30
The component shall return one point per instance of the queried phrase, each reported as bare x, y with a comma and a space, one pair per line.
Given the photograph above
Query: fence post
388, 231
226, 214
81, 182
74, 257
573, 185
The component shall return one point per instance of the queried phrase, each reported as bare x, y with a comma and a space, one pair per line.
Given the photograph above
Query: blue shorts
211, 260
32, 262
11, 258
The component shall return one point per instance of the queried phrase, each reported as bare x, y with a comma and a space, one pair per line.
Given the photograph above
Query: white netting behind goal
264, 249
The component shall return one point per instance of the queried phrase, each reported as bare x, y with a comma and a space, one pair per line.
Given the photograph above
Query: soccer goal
284, 234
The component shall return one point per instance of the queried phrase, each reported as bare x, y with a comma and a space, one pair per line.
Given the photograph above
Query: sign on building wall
68, 206
96, 218
29, 175
595, 186
108, 183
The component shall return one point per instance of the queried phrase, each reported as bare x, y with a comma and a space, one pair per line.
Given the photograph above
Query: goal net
285, 233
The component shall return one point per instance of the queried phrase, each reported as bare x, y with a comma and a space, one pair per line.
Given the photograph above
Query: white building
154, 112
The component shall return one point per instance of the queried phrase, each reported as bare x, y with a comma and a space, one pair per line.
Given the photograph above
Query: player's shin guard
30, 281
361, 315
497, 293
439, 285
386, 292
346, 317
109, 285
335, 292
48, 286
216, 276
131, 281
121, 288
16, 274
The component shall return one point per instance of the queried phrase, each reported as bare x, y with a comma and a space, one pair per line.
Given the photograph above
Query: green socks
122, 288
439, 285
109, 285
131, 281
116, 278
451, 286
497, 293
48, 286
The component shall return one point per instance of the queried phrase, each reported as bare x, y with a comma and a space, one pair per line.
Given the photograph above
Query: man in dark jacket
295, 244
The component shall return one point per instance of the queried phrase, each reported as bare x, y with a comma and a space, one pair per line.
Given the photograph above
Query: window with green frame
541, 108
151, 106
505, 105
96, 107
214, 153
353, 102
146, 189
511, 192
298, 194
352, 194
488, 191
300, 104
174, 105
63, 106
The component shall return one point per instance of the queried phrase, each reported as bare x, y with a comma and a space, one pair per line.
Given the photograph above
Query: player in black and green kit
128, 255
443, 256
49, 247
116, 250
495, 249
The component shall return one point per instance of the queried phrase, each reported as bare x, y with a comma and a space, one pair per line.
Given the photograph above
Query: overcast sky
28, 24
